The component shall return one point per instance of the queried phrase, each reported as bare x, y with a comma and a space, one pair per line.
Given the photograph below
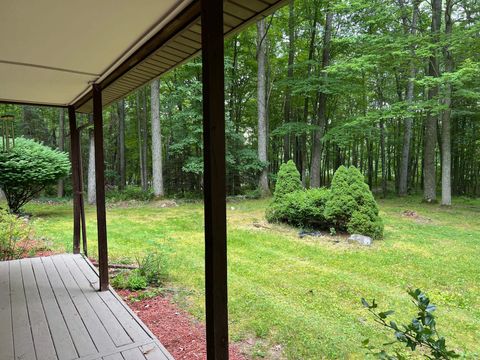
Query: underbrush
129, 193
151, 271
16, 237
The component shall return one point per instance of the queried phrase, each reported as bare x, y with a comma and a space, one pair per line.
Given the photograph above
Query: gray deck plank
6, 335
155, 352
133, 354
113, 357
108, 319
135, 331
94, 326
58, 328
79, 333
42, 338
22, 335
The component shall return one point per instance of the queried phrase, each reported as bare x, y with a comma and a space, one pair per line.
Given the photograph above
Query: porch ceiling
51, 51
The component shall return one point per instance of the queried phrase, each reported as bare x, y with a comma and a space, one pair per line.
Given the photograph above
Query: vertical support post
214, 180
100, 186
75, 154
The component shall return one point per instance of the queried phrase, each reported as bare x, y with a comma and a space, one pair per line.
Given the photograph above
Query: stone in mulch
178, 331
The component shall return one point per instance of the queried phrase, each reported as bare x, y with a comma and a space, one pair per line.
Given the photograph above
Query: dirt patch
262, 349
164, 203
182, 335
417, 217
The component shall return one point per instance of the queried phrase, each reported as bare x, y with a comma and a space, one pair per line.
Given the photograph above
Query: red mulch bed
178, 331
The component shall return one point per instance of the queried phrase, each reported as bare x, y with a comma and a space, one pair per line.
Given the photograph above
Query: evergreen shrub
351, 206
348, 205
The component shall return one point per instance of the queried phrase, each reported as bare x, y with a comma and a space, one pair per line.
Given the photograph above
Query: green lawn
304, 294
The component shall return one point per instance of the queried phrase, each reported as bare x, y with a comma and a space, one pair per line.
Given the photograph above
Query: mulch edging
178, 331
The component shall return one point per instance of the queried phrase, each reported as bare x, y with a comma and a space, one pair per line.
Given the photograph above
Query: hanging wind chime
8, 132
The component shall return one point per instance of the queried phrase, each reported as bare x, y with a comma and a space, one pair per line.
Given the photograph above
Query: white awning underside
51, 50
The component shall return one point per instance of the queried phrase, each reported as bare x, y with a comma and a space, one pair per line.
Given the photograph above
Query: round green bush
351, 206
27, 169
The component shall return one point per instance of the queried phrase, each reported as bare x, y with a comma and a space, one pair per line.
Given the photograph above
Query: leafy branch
420, 333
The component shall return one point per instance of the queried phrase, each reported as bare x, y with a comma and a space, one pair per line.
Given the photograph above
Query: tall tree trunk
407, 134
157, 171
144, 139
140, 131
311, 53
91, 187
429, 170
446, 132
61, 147
262, 106
121, 143
322, 105
288, 92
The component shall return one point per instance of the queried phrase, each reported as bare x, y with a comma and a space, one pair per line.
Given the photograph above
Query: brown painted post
75, 156
214, 180
100, 186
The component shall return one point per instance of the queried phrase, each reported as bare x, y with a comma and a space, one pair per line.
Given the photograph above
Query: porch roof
52, 51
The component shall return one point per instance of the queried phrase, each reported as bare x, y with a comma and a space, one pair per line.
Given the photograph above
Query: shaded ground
178, 331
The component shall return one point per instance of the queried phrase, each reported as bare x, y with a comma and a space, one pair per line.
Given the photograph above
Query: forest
389, 86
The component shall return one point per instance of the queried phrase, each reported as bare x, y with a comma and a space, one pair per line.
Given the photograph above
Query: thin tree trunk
262, 106
429, 167
446, 132
407, 134
61, 147
121, 143
144, 139
322, 104
311, 53
157, 172
288, 92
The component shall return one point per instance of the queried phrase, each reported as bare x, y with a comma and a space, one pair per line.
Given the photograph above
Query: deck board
40, 331
50, 309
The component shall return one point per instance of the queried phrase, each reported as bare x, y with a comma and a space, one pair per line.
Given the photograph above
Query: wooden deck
50, 309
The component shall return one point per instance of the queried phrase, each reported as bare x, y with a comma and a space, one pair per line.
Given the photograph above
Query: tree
27, 169
121, 143
446, 126
157, 177
322, 105
429, 167
407, 132
262, 106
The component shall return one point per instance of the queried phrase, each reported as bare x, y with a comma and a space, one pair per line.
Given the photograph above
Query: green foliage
420, 334
27, 169
151, 271
132, 280
130, 193
13, 234
304, 208
351, 206
288, 180
348, 206
153, 267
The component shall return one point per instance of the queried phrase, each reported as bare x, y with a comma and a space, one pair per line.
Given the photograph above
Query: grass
304, 294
